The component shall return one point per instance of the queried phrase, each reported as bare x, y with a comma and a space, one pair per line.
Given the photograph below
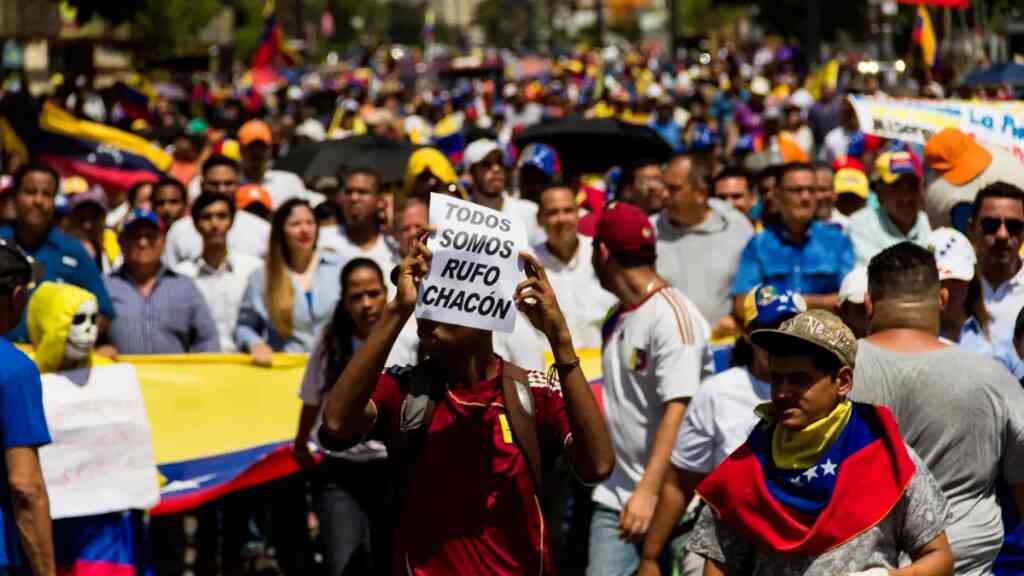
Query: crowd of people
804, 371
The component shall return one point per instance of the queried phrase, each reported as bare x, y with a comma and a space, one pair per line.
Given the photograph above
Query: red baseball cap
626, 231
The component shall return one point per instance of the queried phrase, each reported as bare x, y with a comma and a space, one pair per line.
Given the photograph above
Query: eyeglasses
1014, 226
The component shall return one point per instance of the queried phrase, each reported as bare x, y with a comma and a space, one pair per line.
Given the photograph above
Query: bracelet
567, 366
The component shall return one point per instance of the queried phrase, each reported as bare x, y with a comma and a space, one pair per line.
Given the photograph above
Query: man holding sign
467, 430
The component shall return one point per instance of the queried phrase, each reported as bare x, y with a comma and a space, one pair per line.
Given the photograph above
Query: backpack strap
518, 400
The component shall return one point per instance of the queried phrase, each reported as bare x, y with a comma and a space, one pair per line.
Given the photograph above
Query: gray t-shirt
701, 261
964, 414
916, 520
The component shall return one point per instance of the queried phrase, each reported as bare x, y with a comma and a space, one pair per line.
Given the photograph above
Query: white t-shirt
249, 234
719, 419
334, 239
656, 352
526, 212
582, 300
223, 290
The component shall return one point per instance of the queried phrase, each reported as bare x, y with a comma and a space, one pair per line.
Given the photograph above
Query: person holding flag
822, 485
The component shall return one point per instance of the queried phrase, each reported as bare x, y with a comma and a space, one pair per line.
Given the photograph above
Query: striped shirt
653, 352
174, 318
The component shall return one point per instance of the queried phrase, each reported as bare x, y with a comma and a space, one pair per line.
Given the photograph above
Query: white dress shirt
1003, 303
583, 301
384, 253
250, 235
222, 288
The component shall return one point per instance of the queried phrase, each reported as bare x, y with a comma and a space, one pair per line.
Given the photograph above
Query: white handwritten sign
101, 458
476, 266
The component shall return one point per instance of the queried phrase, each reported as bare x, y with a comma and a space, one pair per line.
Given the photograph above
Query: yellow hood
50, 313
422, 159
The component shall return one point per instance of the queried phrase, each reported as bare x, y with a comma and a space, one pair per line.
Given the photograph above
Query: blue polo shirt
64, 259
817, 266
22, 423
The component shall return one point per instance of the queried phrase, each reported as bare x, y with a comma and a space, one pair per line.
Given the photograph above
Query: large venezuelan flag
272, 49
104, 155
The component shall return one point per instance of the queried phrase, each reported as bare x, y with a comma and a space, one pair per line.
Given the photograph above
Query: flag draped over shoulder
102, 154
924, 36
849, 489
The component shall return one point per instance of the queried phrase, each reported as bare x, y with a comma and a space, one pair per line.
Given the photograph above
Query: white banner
916, 120
476, 266
101, 458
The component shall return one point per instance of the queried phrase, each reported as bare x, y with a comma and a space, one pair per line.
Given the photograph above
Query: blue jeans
610, 555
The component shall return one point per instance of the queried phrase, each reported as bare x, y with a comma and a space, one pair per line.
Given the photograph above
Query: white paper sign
476, 266
101, 458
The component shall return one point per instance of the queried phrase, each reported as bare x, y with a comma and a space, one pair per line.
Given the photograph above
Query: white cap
760, 86
854, 286
954, 254
478, 150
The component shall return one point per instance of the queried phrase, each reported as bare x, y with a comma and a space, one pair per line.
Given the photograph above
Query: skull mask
83, 333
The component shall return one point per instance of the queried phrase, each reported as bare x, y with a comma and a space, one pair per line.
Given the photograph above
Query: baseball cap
891, 166
626, 231
478, 150
16, 268
769, 305
854, 286
253, 131
760, 86
956, 156
852, 181
139, 216
250, 193
819, 328
954, 255
93, 195
542, 157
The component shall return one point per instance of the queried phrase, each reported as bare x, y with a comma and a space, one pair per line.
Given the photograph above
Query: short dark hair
728, 172
628, 177
218, 160
366, 171
903, 270
133, 192
208, 198
702, 169
327, 209
998, 189
794, 167
173, 182
35, 166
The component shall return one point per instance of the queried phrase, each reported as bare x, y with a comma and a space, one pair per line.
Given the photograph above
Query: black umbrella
298, 158
1009, 73
387, 156
594, 145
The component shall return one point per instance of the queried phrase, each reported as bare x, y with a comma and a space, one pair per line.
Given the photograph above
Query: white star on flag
811, 473
795, 480
828, 468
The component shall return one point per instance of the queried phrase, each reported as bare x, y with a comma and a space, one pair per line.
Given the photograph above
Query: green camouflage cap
818, 327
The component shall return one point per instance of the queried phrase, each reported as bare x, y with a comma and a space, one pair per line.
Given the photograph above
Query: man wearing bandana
822, 485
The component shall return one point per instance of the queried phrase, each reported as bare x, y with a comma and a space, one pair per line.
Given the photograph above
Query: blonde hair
279, 294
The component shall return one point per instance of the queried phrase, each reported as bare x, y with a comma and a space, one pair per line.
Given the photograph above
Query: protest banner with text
476, 266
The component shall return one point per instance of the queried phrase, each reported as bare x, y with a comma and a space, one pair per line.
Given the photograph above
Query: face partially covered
83, 332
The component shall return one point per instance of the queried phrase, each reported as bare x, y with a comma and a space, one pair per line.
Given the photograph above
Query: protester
851, 189
732, 185
256, 140
938, 394
170, 201
248, 234
700, 241
362, 234
837, 141
797, 253
898, 216
790, 499
850, 305
158, 310
428, 171
539, 167
641, 185
63, 258
566, 256
718, 421
288, 301
653, 358
354, 487
465, 460
824, 186
86, 215
486, 164
27, 545
998, 230
220, 274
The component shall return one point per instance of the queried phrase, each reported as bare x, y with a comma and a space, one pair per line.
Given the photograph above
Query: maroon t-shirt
469, 505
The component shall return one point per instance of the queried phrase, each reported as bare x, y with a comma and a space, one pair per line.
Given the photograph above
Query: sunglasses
1014, 226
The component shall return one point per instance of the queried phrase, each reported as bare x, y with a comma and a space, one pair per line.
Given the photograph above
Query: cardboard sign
476, 266
101, 458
